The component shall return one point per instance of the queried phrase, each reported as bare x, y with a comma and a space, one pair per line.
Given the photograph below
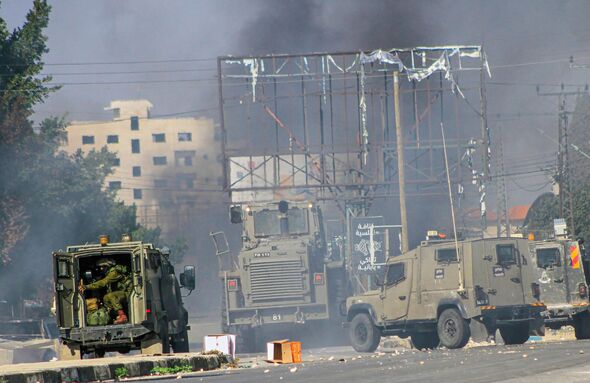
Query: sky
165, 52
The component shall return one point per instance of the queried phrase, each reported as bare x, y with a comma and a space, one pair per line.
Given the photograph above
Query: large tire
364, 335
180, 342
453, 331
582, 325
516, 334
425, 340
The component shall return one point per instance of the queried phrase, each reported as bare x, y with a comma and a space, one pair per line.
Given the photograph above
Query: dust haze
528, 43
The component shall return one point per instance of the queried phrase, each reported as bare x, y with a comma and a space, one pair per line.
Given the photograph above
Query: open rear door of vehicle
65, 271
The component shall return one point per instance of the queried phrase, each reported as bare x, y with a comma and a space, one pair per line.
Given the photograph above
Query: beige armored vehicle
157, 319
433, 292
283, 275
561, 284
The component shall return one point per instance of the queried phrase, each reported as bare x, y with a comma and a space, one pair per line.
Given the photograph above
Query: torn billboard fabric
382, 57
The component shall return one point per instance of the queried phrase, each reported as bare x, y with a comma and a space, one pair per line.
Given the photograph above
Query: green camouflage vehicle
561, 280
433, 292
283, 274
157, 319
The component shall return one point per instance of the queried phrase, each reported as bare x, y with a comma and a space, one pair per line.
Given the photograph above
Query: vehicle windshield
268, 222
548, 257
297, 221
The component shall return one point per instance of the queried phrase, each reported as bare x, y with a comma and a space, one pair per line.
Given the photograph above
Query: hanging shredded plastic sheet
382, 57
253, 65
331, 60
282, 66
487, 64
363, 107
325, 68
421, 74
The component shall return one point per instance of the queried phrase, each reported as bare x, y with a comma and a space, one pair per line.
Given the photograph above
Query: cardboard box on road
225, 343
283, 351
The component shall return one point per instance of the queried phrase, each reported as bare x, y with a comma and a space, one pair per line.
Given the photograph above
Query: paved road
538, 363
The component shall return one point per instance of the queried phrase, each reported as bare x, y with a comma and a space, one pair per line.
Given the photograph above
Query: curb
104, 369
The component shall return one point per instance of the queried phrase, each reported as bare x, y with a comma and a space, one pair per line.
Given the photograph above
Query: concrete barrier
88, 370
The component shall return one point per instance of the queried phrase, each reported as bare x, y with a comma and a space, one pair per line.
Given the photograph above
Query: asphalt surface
532, 362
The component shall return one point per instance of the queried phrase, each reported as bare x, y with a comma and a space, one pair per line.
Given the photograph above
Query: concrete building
168, 167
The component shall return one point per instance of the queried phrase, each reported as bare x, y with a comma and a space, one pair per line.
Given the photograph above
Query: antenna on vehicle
442, 130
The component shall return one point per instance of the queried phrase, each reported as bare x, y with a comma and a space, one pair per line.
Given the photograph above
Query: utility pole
503, 220
400, 164
563, 166
485, 154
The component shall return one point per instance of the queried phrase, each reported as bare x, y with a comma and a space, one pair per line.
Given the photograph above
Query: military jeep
431, 294
562, 284
157, 317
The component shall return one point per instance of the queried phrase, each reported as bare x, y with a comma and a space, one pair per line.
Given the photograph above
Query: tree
48, 199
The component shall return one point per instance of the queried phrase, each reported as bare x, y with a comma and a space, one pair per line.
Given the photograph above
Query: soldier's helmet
106, 262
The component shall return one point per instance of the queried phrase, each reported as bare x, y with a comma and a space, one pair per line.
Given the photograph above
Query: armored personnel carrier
156, 318
560, 281
432, 292
283, 274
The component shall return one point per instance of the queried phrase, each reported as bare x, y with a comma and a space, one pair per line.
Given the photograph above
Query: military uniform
118, 283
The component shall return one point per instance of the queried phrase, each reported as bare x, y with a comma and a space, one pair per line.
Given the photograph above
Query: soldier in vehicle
117, 282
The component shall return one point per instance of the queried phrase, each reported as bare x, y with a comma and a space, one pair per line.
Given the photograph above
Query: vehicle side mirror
235, 214
187, 278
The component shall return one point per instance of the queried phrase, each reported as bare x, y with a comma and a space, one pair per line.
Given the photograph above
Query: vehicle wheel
425, 340
453, 331
180, 342
100, 353
582, 325
517, 334
364, 335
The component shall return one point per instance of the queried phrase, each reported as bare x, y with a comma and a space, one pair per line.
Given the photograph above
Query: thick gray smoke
528, 42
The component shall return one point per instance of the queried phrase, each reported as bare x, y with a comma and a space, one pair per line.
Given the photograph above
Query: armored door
395, 295
67, 298
504, 264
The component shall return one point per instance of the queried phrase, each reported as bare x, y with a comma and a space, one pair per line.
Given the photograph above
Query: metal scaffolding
321, 125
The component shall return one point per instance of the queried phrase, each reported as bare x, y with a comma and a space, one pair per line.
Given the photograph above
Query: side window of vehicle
548, 257
395, 273
448, 255
505, 254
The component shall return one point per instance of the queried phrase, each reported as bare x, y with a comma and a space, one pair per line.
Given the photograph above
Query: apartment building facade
168, 167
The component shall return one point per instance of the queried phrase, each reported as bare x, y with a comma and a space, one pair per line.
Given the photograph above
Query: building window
185, 181
134, 123
112, 139
135, 146
160, 183
160, 160
184, 157
137, 194
115, 185
185, 136
116, 162
136, 171
159, 137
205, 156
87, 140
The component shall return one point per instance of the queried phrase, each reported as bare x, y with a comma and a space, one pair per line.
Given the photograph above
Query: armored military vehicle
157, 319
431, 294
283, 274
561, 284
